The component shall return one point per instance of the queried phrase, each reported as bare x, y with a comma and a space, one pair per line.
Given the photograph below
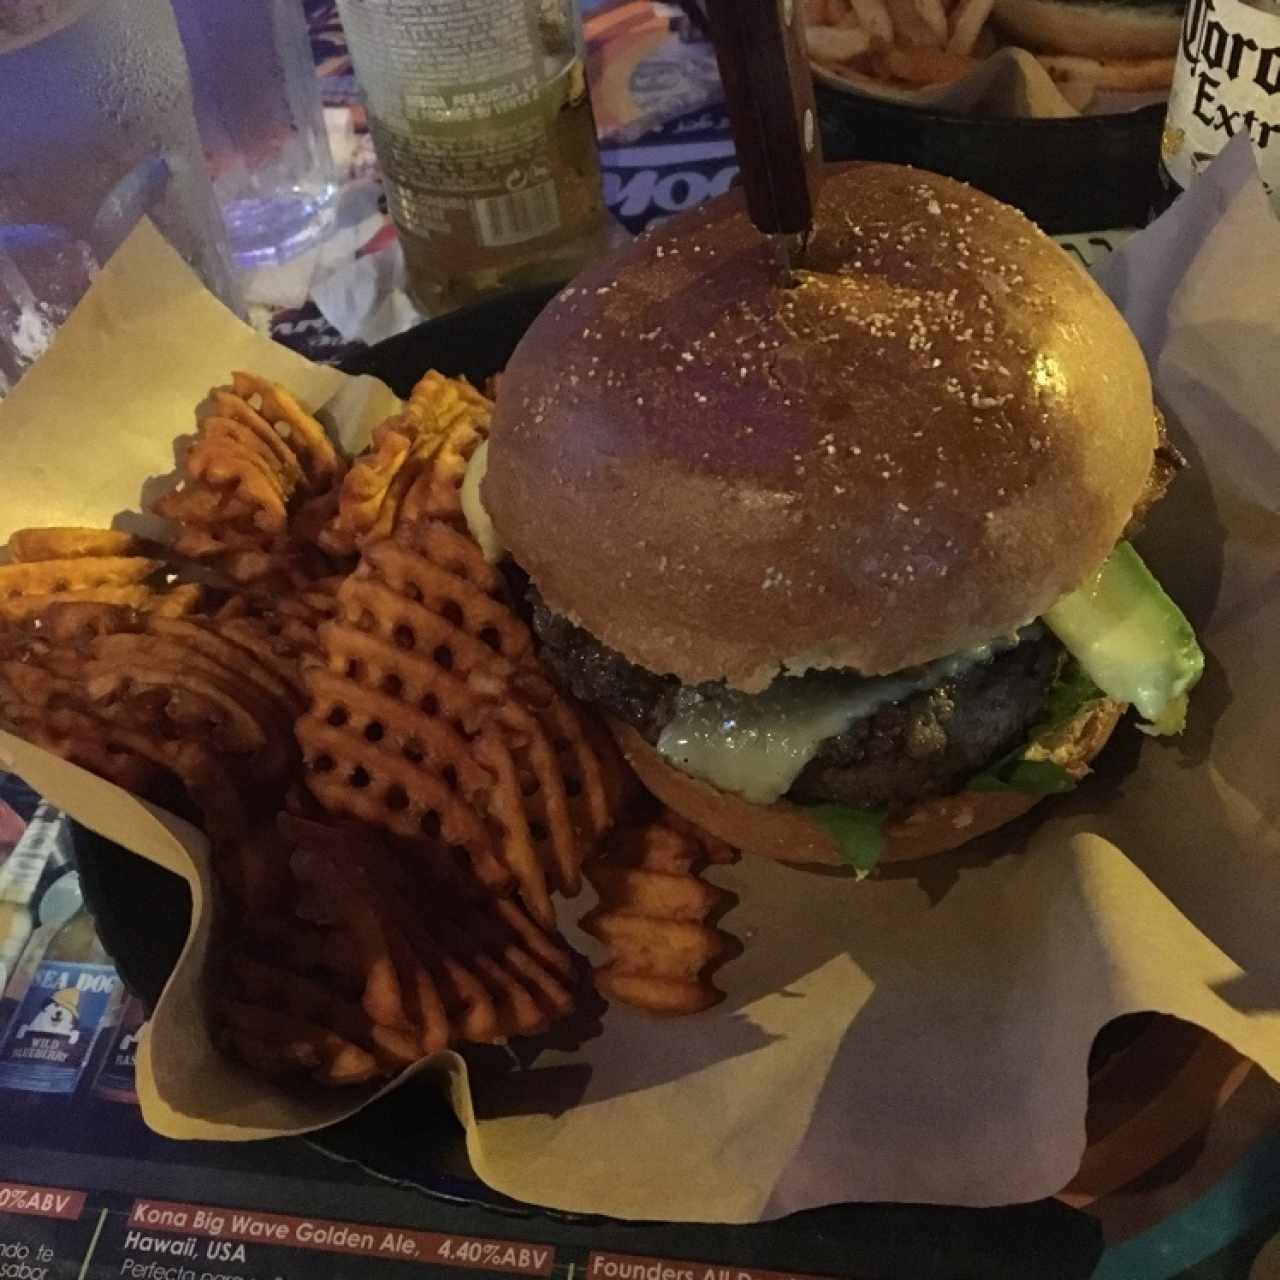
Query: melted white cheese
478, 523
757, 745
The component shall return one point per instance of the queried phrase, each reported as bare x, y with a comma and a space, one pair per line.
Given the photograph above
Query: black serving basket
410, 1137
1083, 173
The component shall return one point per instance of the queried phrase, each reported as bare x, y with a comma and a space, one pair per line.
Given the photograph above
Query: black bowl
1086, 173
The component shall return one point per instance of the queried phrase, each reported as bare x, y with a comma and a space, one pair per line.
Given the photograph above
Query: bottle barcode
522, 215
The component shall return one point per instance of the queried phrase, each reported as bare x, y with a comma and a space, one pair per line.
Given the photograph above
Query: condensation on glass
258, 107
96, 131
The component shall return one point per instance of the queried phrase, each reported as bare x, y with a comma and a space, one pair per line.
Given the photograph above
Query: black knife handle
769, 96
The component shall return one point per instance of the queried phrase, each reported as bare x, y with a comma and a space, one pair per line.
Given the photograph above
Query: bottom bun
786, 833
1090, 30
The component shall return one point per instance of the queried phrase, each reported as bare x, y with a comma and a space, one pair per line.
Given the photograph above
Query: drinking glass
96, 130
262, 124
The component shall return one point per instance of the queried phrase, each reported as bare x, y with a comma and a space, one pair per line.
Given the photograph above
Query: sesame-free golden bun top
940, 428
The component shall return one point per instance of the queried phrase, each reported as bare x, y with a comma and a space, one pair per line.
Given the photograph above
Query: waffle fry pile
321, 668
431, 717
105, 567
104, 661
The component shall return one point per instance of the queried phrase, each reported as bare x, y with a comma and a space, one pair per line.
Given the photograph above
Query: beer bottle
115, 1081
483, 128
19, 876
52, 1033
1226, 82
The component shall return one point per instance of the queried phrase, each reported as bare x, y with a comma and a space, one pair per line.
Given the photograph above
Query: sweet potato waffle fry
463, 414
657, 916
280, 631
259, 463
307, 439
354, 964
54, 567
28, 545
129, 680
414, 465
366, 488
431, 718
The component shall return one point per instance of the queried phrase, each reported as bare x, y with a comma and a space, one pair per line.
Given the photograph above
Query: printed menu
86, 1191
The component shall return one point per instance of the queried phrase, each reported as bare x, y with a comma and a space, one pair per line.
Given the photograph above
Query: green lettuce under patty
1125, 639
859, 833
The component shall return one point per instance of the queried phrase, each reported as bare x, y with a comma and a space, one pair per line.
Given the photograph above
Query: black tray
143, 913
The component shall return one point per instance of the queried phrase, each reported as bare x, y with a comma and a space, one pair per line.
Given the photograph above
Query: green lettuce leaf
1035, 777
858, 833
1069, 694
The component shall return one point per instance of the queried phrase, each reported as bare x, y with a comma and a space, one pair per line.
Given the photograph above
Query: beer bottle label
115, 1080
482, 123
52, 1033
1226, 82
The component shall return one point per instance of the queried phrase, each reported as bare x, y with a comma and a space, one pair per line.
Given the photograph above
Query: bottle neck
77, 940
22, 869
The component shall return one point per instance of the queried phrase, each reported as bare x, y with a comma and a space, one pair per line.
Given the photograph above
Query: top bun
940, 430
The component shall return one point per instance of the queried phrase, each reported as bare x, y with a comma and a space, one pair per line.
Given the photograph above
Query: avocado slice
1131, 640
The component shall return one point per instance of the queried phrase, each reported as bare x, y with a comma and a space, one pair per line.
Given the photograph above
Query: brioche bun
785, 833
937, 432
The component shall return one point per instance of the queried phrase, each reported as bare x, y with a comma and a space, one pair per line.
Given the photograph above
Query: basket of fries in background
1054, 106
1089, 53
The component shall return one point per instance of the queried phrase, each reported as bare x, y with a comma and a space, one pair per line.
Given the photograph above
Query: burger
840, 552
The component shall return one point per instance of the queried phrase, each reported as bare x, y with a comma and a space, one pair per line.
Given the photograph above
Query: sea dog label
53, 1030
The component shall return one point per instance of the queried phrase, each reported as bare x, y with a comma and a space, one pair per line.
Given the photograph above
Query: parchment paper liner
915, 1039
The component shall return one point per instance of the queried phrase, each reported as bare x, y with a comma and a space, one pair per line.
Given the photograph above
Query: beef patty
927, 744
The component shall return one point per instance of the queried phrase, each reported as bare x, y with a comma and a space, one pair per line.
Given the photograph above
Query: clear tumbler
96, 130
262, 124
